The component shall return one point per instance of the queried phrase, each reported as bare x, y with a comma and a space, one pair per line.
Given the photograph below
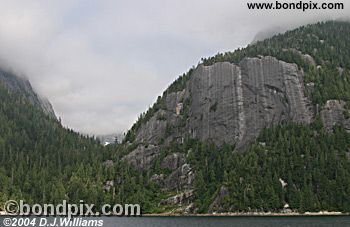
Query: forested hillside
312, 160
327, 43
312, 163
43, 162
306, 166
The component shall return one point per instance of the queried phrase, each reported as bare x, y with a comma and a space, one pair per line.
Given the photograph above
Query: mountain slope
258, 129
43, 162
231, 103
228, 103
22, 86
300, 80
320, 52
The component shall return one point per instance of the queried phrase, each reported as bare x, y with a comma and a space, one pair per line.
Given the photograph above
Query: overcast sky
101, 63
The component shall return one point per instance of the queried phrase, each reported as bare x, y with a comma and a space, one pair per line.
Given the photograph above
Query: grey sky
102, 63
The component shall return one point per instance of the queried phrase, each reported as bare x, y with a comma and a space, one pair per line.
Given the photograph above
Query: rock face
221, 103
22, 86
173, 161
142, 157
235, 102
228, 103
179, 199
334, 113
181, 178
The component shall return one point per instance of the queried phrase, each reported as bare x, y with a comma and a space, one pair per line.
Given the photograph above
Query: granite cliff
277, 99
225, 103
261, 129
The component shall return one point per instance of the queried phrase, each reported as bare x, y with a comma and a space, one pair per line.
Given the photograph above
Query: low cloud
102, 63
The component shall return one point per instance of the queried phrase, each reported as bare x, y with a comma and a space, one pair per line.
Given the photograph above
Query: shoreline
251, 214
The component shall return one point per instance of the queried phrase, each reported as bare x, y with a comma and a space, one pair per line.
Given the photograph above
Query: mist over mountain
101, 63
264, 128
22, 86
268, 33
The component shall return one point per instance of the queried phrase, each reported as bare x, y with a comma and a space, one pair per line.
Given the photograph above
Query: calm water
340, 221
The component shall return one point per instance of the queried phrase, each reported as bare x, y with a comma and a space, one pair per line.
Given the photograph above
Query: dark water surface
300, 221
325, 221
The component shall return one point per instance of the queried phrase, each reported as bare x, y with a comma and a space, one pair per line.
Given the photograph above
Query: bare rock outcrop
228, 103
173, 161
181, 178
143, 156
179, 199
334, 113
223, 103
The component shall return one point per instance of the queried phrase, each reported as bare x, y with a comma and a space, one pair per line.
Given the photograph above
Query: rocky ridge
225, 103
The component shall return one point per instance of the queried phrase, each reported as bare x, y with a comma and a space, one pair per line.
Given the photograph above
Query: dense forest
315, 168
41, 161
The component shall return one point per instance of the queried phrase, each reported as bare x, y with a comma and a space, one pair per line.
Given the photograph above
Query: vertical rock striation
228, 103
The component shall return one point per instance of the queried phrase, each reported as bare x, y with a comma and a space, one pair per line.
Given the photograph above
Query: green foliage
43, 162
313, 163
180, 83
329, 45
